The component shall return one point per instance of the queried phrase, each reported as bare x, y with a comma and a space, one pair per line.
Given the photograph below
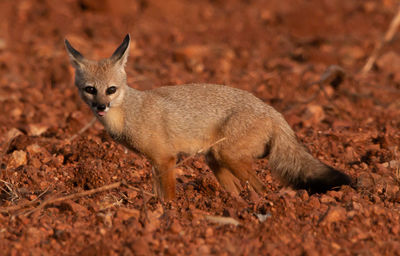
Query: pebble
175, 227
334, 214
18, 158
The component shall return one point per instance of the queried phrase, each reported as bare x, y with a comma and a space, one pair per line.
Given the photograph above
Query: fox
232, 128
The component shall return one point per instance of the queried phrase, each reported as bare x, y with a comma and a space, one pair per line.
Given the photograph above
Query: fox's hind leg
225, 178
238, 157
242, 169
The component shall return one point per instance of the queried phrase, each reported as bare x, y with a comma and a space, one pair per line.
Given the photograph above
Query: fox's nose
101, 107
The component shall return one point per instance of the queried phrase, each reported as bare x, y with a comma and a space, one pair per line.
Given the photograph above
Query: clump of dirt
291, 54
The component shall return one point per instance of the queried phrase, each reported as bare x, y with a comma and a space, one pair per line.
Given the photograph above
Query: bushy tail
297, 168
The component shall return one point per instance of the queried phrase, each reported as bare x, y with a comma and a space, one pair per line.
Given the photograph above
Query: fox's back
206, 101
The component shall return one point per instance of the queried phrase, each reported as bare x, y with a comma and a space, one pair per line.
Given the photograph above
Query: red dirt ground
275, 49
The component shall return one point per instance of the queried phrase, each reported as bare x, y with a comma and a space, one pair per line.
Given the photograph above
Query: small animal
231, 127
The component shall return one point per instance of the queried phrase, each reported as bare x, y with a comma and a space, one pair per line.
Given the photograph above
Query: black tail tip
332, 179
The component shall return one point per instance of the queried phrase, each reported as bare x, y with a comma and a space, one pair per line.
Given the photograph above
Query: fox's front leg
164, 177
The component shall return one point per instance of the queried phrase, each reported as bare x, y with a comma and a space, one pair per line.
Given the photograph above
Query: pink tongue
101, 113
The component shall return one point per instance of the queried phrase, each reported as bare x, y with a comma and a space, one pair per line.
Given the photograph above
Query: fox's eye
90, 90
111, 90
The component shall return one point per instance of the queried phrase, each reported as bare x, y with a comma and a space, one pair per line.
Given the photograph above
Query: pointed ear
120, 55
77, 59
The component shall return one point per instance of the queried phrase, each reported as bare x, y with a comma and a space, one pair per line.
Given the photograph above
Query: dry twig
11, 190
388, 37
68, 197
397, 168
222, 220
59, 199
137, 189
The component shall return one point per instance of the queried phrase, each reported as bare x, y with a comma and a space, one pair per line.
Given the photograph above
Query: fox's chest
113, 121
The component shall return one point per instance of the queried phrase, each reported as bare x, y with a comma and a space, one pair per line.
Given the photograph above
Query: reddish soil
275, 49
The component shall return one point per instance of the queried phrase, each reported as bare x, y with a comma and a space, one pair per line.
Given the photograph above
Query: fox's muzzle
100, 109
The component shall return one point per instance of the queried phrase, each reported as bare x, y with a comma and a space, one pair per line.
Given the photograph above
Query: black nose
101, 107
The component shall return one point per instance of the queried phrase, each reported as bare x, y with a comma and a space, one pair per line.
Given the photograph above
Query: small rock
267, 16
338, 195
198, 164
263, 217
357, 206
179, 172
395, 229
334, 214
287, 191
327, 199
303, 194
36, 129
3, 43
11, 134
34, 149
378, 210
336, 246
369, 6
314, 202
254, 197
391, 190
16, 113
394, 164
204, 250
191, 52
18, 158
365, 181
209, 232
396, 198
351, 214
351, 53
127, 213
140, 247
175, 227
33, 232
314, 114
154, 221
350, 154
356, 235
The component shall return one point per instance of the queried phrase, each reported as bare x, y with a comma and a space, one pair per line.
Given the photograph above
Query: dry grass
11, 190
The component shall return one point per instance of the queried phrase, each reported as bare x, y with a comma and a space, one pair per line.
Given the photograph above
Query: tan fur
167, 121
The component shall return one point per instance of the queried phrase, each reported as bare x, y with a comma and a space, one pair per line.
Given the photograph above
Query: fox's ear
76, 57
120, 55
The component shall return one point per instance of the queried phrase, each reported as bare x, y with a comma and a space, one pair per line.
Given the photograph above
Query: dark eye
111, 90
90, 90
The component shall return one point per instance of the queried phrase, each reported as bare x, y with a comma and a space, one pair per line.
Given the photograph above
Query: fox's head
101, 84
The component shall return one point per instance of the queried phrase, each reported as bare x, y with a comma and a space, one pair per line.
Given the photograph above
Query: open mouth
101, 113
